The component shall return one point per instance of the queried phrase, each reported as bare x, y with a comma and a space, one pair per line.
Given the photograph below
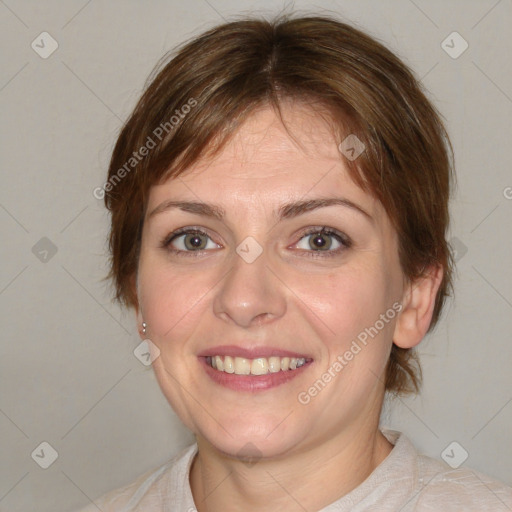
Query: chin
252, 438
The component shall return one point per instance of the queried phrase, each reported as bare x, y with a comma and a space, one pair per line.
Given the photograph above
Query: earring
144, 325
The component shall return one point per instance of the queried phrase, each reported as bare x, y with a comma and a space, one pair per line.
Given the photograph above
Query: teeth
242, 366
229, 367
274, 364
259, 366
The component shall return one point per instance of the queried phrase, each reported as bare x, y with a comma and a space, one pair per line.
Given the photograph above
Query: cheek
171, 300
347, 300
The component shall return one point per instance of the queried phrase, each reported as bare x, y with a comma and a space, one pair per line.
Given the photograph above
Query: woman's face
249, 277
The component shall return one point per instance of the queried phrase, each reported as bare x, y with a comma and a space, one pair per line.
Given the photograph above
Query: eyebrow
286, 211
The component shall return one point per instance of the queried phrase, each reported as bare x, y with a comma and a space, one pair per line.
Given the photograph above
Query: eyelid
182, 231
166, 242
327, 231
342, 238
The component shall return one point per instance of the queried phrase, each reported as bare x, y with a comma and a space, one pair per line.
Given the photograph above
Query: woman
279, 202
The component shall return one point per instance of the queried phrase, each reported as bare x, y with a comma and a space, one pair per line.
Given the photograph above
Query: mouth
257, 369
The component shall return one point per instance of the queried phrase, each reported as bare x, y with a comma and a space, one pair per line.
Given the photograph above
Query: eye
323, 240
189, 240
316, 240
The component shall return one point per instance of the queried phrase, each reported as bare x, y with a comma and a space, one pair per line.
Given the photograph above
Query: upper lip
250, 353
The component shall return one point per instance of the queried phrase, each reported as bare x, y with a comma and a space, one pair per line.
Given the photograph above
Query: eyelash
343, 239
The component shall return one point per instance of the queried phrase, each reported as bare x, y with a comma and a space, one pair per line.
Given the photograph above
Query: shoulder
442, 488
424, 484
148, 491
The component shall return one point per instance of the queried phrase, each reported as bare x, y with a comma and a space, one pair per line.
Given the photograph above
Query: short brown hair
199, 96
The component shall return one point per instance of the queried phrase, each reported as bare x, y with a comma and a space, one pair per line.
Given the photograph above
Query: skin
291, 297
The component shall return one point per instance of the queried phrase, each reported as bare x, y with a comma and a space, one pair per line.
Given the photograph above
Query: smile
258, 366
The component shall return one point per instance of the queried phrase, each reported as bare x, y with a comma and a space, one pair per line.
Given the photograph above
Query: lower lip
251, 382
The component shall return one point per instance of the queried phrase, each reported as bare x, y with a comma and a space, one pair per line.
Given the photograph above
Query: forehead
263, 139
268, 159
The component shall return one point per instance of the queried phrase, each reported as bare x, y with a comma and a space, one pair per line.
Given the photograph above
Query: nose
250, 294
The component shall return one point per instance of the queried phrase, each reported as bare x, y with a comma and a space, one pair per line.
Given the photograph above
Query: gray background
68, 374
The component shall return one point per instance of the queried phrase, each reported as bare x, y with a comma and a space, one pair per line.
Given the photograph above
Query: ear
417, 308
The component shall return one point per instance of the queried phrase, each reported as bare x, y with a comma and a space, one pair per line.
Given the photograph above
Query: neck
309, 479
